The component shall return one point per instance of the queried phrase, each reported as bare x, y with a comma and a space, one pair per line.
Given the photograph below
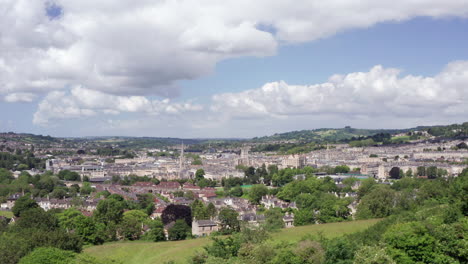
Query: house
168, 186
204, 227
47, 204
288, 220
10, 202
167, 228
157, 213
143, 184
190, 187
252, 219
270, 201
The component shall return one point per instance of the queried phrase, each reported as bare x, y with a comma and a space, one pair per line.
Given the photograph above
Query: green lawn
179, 251
6, 214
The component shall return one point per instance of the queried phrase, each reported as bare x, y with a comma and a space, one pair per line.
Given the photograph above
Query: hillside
327, 134
179, 251
321, 135
348, 133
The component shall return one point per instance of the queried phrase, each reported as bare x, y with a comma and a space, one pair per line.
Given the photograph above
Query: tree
37, 218
409, 173
86, 188
310, 252
274, 219
5, 176
372, 255
442, 172
431, 172
250, 175
156, 232
69, 175
303, 217
211, 210
342, 169
59, 193
24, 203
236, 191
179, 231
339, 250
350, 182
272, 170
174, 212
395, 173
378, 203
68, 217
109, 211
132, 223
411, 243
145, 202
366, 186
421, 171
22, 167
199, 175
89, 230
199, 210
256, 192
228, 219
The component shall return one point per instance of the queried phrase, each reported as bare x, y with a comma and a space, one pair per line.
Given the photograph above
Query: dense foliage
21, 160
425, 221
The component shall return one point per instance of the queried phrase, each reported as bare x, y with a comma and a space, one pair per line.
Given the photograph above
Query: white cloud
19, 97
142, 47
378, 92
82, 102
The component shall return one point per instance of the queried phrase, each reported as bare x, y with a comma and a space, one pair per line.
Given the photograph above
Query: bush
48, 256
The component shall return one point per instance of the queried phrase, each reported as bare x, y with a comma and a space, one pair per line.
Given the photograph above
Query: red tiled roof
143, 184
169, 185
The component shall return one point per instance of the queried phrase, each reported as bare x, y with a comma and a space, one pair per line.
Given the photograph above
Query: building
204, 227
294, 161
288, 220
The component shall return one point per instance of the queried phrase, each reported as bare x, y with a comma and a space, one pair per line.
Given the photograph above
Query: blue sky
229, 85
421, 46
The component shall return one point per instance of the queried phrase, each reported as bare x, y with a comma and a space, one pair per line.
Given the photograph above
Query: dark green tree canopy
173, 212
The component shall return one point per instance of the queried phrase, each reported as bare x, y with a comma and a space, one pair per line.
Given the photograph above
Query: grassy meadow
142, 252
6, 214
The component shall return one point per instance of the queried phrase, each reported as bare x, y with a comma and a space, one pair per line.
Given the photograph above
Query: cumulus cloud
143, 47
380, 91
83, 102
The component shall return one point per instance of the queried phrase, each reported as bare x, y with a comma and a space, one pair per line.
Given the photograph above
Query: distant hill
320, 135
27, 138
348, 133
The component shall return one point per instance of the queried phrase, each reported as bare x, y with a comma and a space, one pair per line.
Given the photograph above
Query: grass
179, 251
330, 230
6, 214
400, 139
148, 252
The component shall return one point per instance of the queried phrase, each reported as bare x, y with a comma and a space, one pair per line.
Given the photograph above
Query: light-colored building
294, 161
204, 227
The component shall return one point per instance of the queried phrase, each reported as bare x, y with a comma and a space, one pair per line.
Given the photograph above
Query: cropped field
179, 251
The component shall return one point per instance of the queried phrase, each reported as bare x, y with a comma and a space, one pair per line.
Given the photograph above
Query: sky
230, 69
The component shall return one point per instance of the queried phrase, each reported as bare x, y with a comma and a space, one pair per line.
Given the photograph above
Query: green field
6, 214
179, 251
400, 139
